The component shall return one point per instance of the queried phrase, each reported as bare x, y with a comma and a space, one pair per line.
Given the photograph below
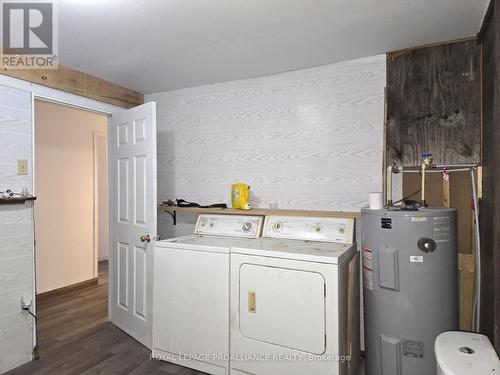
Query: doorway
70, 146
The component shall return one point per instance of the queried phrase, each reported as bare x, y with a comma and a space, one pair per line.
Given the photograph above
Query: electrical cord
184, 203
29, 311
8, 194
36, 352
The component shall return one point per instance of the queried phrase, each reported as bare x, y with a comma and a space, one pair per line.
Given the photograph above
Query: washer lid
465, 353
324, 229
205, 243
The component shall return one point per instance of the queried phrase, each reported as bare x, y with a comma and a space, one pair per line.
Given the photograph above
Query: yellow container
240, 196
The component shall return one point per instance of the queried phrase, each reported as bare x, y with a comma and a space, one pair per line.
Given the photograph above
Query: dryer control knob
277, 226
317, 228
246, 227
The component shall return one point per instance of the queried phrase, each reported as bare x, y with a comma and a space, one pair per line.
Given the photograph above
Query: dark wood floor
75, 337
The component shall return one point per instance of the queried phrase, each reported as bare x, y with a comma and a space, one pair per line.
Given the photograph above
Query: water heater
410, 287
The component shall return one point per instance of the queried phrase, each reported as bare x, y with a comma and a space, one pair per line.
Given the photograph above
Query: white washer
290, 298
191, 292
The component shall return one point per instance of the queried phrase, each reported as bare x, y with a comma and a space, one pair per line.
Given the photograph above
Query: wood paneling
16, 231
490, 204
309, 139
75, 82
434, 104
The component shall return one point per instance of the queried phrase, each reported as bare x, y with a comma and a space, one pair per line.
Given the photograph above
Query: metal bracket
174, 216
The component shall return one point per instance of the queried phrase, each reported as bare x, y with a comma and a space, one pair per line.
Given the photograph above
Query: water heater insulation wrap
409, 286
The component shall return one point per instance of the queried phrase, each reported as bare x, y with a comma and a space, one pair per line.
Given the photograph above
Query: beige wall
64, 185
101, 182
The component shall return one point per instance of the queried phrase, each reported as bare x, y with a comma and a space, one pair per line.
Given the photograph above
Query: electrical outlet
22, 167
26, 301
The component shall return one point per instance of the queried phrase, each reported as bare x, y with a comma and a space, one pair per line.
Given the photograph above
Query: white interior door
132, 186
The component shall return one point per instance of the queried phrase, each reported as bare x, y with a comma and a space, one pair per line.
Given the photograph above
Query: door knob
146, 238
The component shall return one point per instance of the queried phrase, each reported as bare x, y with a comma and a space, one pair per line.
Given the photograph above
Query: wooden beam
75, 82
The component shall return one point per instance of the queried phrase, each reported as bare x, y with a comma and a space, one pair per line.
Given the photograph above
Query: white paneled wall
308, 139
16, 231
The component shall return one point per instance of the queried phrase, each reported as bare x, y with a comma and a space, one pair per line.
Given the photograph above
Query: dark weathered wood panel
434, 104
490, 203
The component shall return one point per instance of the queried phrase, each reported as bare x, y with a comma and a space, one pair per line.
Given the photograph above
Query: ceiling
160, 45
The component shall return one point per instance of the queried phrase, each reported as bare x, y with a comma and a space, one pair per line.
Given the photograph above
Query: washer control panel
326, 229
229, 225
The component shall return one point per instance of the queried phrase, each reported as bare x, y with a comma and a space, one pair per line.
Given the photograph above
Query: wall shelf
172, 210
16, 200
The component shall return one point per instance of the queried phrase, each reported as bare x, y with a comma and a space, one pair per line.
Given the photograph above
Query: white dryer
191, 292
295, 299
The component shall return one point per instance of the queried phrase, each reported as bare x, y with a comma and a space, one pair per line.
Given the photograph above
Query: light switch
22, 167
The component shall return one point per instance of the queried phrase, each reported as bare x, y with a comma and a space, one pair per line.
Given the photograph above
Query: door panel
268, 294
122, 189
132, 160
140, 130
140, 189
140, 286
122, 276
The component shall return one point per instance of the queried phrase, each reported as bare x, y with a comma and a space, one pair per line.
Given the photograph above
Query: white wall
64, 162
16, 231
308, 139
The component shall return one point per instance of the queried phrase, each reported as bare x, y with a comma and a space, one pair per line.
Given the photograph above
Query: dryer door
283, 307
